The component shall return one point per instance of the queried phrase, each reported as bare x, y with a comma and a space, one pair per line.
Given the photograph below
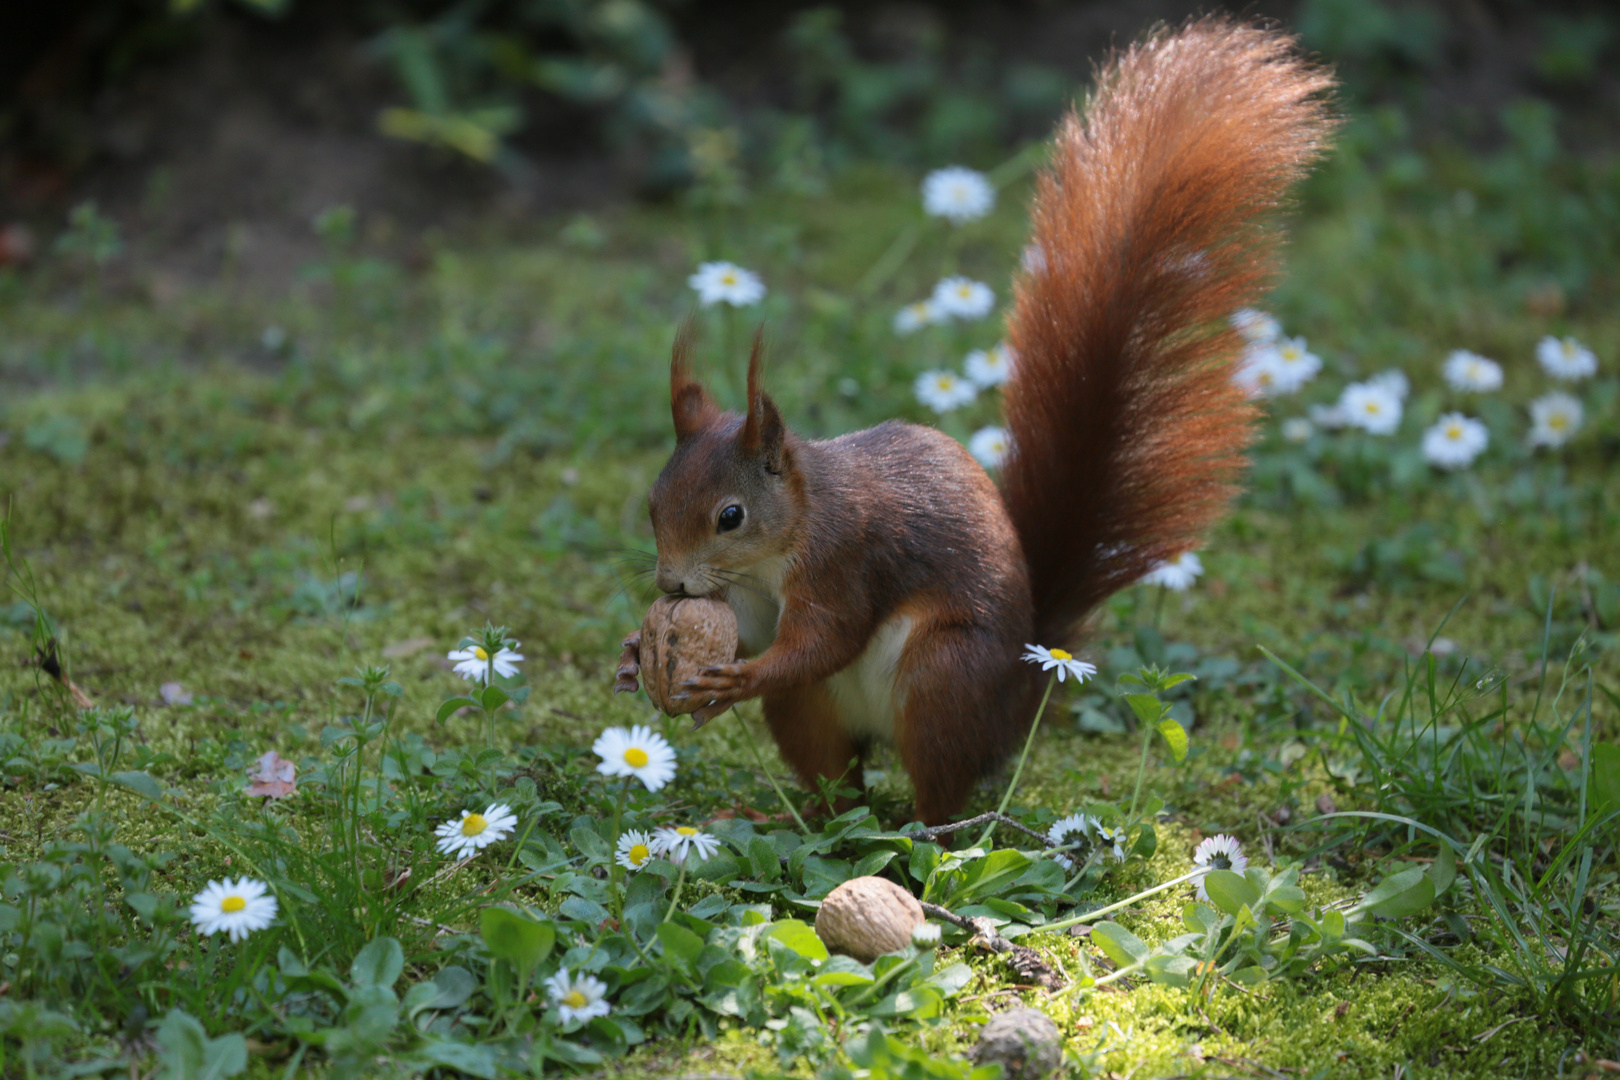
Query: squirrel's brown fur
884, 587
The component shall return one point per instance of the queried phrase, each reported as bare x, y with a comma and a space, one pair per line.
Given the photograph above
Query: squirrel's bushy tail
1151, 227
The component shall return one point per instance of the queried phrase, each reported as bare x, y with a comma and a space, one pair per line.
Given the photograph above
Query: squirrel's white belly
865, 691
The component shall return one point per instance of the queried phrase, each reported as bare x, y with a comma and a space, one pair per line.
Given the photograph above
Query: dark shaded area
213, 137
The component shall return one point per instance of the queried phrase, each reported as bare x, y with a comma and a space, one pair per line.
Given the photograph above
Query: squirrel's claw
625, 679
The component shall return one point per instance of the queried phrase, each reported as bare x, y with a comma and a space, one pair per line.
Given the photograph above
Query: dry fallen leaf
276, 777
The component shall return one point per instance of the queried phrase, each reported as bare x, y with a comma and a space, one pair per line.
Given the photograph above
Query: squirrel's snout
669, 581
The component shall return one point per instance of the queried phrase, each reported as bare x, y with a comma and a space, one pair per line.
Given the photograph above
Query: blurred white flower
727, 283
634, 850
473, 833
1295, 364
1219, 852
925, 935
236, 907
1297, 429
1256, 325
1177, 574
1113, 839
474, 663
958, 194
1328, 417
989, 367
677, 843
1258, 374
1554, 419
1454, 441
1060, 660
1371, 406
989, 446
944, 390
578, 997
1472, 373
916, 316
1395, 381
963, 298
639, 752
1566, 358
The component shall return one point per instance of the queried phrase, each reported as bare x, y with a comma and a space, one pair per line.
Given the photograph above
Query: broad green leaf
1604, 790
1170, 970
378, 964
1333, 925
185, 1052
1119, 944
1200, 918
1399, 895
1443, 871
519, 940
492, 697
1176, 736
140, 783
680, 942
1230, 892
453, 705
1147, 708
798, 937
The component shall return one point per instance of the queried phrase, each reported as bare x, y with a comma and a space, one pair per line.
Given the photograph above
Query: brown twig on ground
929, 832
1025, 962
51, 665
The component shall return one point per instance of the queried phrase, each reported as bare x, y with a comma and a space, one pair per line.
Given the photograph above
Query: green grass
254, 517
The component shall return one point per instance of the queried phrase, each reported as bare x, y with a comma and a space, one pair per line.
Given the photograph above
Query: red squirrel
884, 585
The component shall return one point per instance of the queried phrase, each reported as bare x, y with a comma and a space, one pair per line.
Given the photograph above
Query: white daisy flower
1566, 358
989, 367
1259, 373
989, 446
236, 907
1297, 429
1060, 659
675, 844
1472, 373
1112, 839
957, 194
1078, 829
1220, 852
925, 935
475, 663
726, 283
639, 752
1554, 418
578, 997
963, 298
1394, 381
635, 849
1454, 441
916, 316
1177, 574
471, 833
1256, 325
1328, 417
1295, 364
1372, 407
944, 390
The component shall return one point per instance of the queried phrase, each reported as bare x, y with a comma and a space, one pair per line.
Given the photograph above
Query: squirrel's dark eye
730, 517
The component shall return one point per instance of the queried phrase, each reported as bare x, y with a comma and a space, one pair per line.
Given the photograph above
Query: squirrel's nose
669, 581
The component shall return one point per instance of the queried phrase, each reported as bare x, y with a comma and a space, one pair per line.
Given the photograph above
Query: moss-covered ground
249, 497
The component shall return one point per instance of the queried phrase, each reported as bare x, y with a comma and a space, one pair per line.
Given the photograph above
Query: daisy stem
1141, 771
613, 861
753, 744
1158, 607
1012, 785
1076, 920
675, 897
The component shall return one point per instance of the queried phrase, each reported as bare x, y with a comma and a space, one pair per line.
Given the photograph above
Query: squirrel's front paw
625, 678
719, 687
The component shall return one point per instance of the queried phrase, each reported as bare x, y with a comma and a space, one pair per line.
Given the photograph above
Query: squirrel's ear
689, 403
763, 433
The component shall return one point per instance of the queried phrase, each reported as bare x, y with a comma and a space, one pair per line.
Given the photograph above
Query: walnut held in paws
681, 636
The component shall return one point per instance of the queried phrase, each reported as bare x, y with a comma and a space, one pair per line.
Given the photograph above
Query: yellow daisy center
1265, 377
1569, 349
1290, 354
635, 757
232, 904
639, 853
1061, 654
574, 1000
1558, 421
963, 291
728, 279
478, 651
473, 824
687, 830
1372, 407
1454, 432
945, 382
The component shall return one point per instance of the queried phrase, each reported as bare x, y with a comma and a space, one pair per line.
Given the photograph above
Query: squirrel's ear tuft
689, 403
763, 434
